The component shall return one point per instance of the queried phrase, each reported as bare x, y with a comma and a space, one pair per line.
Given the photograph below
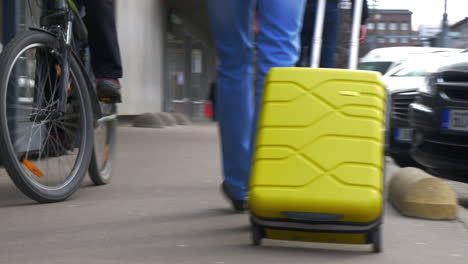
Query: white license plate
455, 120
403, 134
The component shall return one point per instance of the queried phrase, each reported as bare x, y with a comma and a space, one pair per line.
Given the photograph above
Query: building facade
169, 59
390, 28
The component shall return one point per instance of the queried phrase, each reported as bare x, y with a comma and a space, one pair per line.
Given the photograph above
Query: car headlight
429, 86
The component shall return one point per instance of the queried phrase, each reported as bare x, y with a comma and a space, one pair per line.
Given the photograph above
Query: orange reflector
32, 168
58, 70
106, 153
104, 99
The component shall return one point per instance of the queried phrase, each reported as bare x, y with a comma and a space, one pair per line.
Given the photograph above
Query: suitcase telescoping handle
317, 37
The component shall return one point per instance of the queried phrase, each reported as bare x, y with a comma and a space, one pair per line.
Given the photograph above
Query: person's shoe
108, 91
237, 205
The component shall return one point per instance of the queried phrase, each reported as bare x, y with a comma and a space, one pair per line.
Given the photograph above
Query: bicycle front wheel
45, 152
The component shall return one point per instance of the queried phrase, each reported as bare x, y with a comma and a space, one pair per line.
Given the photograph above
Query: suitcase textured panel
320, 146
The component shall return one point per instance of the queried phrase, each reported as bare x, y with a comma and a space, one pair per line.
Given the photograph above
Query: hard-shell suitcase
319, 157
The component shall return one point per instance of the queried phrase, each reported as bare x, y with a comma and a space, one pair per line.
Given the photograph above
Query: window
380, 66
392, 40
381, 26
392, 26
377, 16
413, 69
380, 40
404, 40
404, 26
370, 26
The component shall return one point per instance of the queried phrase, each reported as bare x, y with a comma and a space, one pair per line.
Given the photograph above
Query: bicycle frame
62, 20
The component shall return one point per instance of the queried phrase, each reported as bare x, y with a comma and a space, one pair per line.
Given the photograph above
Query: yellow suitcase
319, 157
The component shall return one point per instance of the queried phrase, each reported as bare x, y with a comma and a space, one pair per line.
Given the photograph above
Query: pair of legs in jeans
238, 98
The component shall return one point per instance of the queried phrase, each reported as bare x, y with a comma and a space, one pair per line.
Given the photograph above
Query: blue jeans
238, 99
329, 36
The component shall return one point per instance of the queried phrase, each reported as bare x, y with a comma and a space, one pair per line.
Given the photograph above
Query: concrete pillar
141, 30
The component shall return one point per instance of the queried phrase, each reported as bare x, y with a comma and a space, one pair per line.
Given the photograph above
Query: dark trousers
329, 36
103, 42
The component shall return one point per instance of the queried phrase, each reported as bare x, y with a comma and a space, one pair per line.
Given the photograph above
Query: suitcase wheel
377, 240
257, 234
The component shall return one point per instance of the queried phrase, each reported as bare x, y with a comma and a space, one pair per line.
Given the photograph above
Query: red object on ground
208, 109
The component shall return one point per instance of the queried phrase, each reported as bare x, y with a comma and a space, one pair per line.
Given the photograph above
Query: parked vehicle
384, 59
439, 117
402, 83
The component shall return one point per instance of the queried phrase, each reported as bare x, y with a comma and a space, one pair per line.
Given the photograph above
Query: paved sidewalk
164, 206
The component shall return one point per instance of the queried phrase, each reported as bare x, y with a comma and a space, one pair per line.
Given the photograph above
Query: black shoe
238, 205
108, 91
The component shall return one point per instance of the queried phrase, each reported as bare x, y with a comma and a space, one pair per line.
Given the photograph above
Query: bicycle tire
102, 160
19, 171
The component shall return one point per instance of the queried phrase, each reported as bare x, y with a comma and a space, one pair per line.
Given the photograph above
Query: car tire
405, 160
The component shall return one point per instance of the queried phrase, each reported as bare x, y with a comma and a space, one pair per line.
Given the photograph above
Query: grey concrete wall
140, 26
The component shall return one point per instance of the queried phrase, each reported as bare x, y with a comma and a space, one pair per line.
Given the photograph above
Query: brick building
389, 28
386, 28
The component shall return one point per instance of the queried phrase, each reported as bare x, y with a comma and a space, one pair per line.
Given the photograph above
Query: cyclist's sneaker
108, 90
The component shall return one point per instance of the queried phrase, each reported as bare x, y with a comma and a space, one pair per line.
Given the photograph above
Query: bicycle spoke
68, 124
19, 140
64, 157
41, 147
69, 132
68, 116
59, 145
41, 83
30, 137
59, 153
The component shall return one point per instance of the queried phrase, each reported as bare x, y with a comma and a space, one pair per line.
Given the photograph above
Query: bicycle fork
65, 50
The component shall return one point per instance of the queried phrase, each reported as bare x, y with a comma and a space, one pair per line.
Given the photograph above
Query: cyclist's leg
105, 51
104, 46
278, 41
231, 22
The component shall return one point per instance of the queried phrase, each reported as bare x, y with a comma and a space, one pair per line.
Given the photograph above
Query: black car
400, 136
439, 117
403, 82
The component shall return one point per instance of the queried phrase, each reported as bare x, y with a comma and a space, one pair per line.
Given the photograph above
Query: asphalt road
164, 206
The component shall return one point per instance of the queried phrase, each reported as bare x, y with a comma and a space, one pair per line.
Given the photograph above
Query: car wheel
405, 160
